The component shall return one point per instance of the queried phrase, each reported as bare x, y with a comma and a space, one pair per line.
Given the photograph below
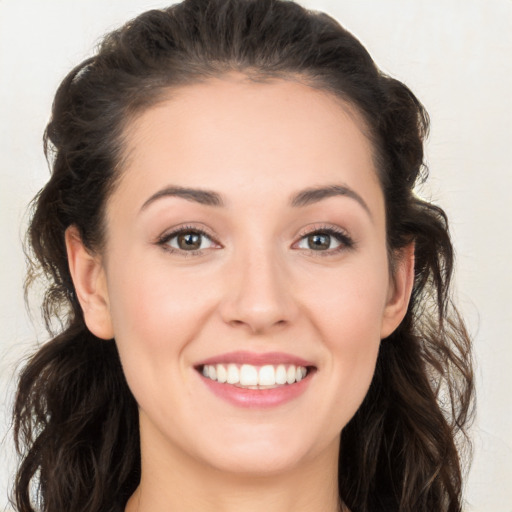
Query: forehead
240, 135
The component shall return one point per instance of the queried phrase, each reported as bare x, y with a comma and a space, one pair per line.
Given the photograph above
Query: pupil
319, 241
189, 241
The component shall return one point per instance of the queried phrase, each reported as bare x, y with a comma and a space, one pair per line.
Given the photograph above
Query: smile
255, 377
256, 381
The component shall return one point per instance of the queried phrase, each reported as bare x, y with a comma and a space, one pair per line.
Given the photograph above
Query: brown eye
319, 241
189, 241
327, 240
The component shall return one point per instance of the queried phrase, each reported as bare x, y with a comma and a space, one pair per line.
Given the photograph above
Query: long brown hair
75, 419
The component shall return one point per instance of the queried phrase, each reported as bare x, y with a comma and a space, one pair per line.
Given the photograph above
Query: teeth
267, 376
255, 377
233, 374
290, 375
222, 373
281, 374
248, 375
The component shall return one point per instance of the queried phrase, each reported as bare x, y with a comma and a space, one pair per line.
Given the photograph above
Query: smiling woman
257, 306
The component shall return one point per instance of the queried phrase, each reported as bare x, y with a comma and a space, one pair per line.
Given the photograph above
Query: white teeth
255, 377
222, 373
290, 374
248, 375
267, 376
233, 374
281, 374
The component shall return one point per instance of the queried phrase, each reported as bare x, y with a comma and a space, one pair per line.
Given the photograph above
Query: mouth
256, 380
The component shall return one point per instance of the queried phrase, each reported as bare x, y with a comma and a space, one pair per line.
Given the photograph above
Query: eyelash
341, 236
164, 240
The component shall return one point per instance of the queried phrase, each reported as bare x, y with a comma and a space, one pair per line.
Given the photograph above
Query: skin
255, 285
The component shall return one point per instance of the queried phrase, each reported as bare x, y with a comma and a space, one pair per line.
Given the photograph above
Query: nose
259, 293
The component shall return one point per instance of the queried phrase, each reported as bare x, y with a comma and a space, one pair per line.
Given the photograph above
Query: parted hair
75, 419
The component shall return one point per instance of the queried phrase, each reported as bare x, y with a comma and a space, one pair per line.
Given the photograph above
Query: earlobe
402, 283
90, 285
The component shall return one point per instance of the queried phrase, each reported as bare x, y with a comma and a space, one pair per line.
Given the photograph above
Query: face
245, 274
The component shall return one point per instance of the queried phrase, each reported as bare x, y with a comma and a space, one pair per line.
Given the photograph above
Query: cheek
350, 302
349, 309
154, 317
151, 306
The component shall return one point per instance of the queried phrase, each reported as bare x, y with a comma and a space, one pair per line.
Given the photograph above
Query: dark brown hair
75, 419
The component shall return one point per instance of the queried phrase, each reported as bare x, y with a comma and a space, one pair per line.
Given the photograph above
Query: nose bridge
258, 291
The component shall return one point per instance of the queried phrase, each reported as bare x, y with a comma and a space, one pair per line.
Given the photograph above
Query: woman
256, 305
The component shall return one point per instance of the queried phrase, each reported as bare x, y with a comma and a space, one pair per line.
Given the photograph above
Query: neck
183, 485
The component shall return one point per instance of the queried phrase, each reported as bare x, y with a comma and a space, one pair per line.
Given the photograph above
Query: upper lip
255, 359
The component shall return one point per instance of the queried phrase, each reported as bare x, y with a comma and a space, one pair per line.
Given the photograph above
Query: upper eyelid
175, 231
318, 228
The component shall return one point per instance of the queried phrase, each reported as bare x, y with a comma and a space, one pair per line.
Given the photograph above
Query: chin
266, 453
270, 462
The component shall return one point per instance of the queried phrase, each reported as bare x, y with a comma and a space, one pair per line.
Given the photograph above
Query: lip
257, 398
255, 358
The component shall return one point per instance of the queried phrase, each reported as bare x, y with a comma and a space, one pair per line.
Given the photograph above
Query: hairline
161, 93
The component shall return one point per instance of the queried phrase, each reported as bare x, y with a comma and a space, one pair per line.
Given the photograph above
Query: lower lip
258, 398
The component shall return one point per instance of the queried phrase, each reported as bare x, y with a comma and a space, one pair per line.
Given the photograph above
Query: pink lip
256, 359
257, 398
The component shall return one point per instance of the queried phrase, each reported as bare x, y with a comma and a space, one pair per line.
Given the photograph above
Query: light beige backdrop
457, 57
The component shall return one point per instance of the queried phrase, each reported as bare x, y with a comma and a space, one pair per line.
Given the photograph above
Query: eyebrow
314, 195
205, 197
301, 199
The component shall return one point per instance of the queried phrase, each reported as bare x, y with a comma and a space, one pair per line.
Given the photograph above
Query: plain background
454, 54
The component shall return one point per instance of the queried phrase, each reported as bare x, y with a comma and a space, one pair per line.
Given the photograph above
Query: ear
90, 284
400, 289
